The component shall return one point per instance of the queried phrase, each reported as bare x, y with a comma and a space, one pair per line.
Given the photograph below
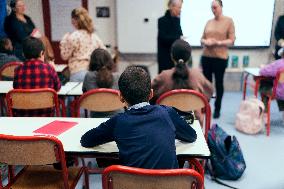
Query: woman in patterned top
76, 47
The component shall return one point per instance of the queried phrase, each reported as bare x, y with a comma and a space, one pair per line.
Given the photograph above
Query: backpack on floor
226, 161
249, 119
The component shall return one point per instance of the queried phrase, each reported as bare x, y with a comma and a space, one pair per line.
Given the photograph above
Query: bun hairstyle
181, 54
13, 3
83, 18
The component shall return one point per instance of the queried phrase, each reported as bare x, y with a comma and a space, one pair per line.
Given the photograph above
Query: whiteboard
252, 19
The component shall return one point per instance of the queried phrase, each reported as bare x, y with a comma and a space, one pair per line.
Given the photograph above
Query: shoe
216, 114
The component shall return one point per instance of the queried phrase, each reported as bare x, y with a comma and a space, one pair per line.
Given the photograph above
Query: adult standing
279, 36
76, 47
219, 34
169, 30
18, 26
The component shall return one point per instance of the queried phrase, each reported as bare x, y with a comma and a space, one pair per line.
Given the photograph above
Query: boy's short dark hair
135, 85
32, 47
3, 43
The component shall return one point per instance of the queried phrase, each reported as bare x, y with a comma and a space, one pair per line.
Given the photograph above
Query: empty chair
118, 177
32, 102
99, 100
188, 100
37, 154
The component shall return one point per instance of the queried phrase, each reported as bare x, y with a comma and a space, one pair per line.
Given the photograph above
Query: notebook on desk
55, 127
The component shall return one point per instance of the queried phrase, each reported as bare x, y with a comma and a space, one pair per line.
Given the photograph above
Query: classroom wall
107, 29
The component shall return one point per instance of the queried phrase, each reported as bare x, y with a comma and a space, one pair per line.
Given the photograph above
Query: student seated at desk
145, 134
6, 52
35, 74
271, 70
100, 73
181, 76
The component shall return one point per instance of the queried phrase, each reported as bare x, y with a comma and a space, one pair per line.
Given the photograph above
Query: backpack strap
213, 177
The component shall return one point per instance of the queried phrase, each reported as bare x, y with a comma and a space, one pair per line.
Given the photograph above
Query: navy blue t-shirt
145, 137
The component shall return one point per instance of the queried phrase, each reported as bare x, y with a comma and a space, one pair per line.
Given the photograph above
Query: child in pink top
271, 70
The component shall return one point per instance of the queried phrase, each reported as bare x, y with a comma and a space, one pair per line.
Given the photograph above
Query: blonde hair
83, 18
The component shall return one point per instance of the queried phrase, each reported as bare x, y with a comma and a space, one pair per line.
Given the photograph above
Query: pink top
271, 71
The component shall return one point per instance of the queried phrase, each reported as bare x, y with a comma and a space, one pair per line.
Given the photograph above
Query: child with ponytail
181, 76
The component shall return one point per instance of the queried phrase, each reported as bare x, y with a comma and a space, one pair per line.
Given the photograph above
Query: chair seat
44, 177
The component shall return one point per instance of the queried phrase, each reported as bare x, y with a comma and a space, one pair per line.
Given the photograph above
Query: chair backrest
117, 177
7, 70
99, 100
188, 100
30, 150
29, 99
33, 150
279, 80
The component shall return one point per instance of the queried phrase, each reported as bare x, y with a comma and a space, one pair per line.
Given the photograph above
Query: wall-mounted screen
252, 19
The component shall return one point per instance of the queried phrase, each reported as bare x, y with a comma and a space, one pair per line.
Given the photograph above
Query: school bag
226, 161
249, 119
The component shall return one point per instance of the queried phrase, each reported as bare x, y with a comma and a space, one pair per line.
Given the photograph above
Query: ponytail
180, 75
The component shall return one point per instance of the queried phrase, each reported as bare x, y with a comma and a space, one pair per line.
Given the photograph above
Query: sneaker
216, 114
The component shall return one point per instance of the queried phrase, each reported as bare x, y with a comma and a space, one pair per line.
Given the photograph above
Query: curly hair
135, 85
83, 18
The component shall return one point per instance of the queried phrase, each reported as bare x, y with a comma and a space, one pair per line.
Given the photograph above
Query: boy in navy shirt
145, 134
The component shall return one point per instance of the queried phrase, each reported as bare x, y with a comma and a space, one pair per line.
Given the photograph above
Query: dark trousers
216, 66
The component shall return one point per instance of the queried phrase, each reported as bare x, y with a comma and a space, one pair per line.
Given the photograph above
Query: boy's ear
121, 98
151, 94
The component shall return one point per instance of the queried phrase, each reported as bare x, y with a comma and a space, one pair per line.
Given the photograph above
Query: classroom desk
24, 126
254, 72
59, 67
76, 91
6, 86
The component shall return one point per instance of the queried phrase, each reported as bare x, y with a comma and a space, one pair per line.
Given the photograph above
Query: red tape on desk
55, 127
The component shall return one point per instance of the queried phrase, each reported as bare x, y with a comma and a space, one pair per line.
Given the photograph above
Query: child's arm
99, 135
184, 132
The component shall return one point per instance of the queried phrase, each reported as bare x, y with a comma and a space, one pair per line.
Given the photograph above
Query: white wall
134, 35
107, 27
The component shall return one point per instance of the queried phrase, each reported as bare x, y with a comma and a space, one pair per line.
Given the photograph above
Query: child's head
181, 55
33, 48
5, 45
102, 62
181, 51
135, 85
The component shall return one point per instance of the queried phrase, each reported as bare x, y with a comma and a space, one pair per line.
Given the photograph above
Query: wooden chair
117, 177
188, 100
36, 153
7, 70
7, 74
272, 96
30, 99
98, 100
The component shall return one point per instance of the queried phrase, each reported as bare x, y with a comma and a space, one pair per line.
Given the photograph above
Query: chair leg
268, 117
